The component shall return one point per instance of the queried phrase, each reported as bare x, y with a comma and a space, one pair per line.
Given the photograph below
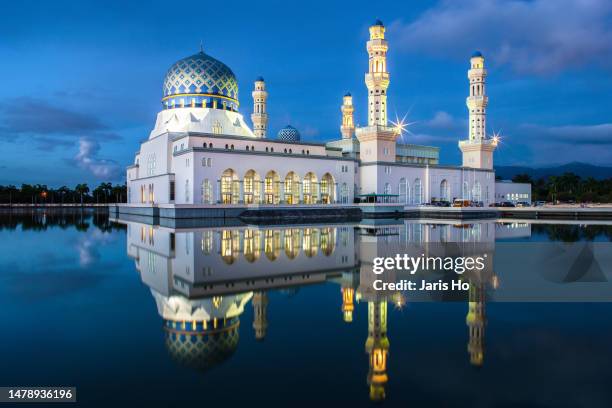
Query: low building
506, 190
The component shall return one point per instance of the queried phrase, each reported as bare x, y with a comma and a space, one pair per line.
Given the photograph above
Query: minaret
476, 321
377, 140
260, 115
478, 149
348, 126
377, 78
348, 294
377, 347
260, 319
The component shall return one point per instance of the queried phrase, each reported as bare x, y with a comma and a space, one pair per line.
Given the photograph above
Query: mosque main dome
200, 81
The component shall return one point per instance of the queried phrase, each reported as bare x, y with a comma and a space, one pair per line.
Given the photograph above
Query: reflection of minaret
377, 346
260, 319
476, 322
348, 306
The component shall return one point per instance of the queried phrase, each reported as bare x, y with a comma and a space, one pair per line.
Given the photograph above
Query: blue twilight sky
81, 80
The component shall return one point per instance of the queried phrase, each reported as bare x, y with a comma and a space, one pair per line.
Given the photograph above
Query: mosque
202, 153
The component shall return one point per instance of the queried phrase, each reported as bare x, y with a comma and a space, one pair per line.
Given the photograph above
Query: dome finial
201, 46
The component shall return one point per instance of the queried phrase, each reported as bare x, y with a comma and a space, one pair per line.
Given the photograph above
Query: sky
81, 81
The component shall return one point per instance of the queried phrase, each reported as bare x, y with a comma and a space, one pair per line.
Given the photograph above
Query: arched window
477, 192
344, 193
251, 187
206, 193
292, 188
417, 195
465, 191
387, 188
327, 189
229, 187
309, 188
403, 191
272, 187
444, 193
187, 198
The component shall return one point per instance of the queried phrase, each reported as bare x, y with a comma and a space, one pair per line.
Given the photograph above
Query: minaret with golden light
260, 115
260, 318
348, 125
476, 322
478, 149
377, 78
377, 347
377, 140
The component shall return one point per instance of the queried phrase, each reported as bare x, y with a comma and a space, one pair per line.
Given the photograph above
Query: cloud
88, 160
442, 120
580, 134
536, 37
35, 116
48, 126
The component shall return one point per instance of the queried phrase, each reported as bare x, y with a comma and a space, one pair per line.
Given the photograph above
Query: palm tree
81, 189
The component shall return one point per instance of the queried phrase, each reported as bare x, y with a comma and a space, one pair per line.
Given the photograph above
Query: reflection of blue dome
200, 79
476, 54
288, 134
201, 348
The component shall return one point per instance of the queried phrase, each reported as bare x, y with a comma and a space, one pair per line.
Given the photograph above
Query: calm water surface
141, 315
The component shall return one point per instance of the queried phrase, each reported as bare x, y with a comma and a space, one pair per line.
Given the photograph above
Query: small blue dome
259, 78
377, 22
288, 134
347, 94
477, 54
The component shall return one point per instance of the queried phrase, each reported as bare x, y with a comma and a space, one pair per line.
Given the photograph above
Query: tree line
568, 187
38, 194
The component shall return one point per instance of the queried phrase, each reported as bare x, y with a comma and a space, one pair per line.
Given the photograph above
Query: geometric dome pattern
288, 134
200, 74
198, 348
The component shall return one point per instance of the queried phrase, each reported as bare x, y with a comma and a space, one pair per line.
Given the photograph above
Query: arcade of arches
272, 243
276, 189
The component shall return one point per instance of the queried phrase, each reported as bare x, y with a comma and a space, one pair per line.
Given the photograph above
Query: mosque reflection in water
202, 279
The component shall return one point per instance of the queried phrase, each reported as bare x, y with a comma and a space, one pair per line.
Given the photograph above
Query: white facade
202, 152
513, 192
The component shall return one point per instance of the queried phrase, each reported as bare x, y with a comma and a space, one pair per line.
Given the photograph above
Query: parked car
461, 203
539, 203
443, 203
477, 204
522, 204
506, 204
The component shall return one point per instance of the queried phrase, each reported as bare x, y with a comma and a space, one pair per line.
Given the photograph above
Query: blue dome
259, 78
288, 134
477, 54
347, 94
198, 81
377, 22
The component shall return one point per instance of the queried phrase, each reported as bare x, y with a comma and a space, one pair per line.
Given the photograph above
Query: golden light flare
401, 126
496, 138
399, 300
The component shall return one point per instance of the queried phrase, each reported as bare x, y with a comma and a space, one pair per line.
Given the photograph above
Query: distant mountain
584, 170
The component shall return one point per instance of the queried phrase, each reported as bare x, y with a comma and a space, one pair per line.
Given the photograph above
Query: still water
140, 315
